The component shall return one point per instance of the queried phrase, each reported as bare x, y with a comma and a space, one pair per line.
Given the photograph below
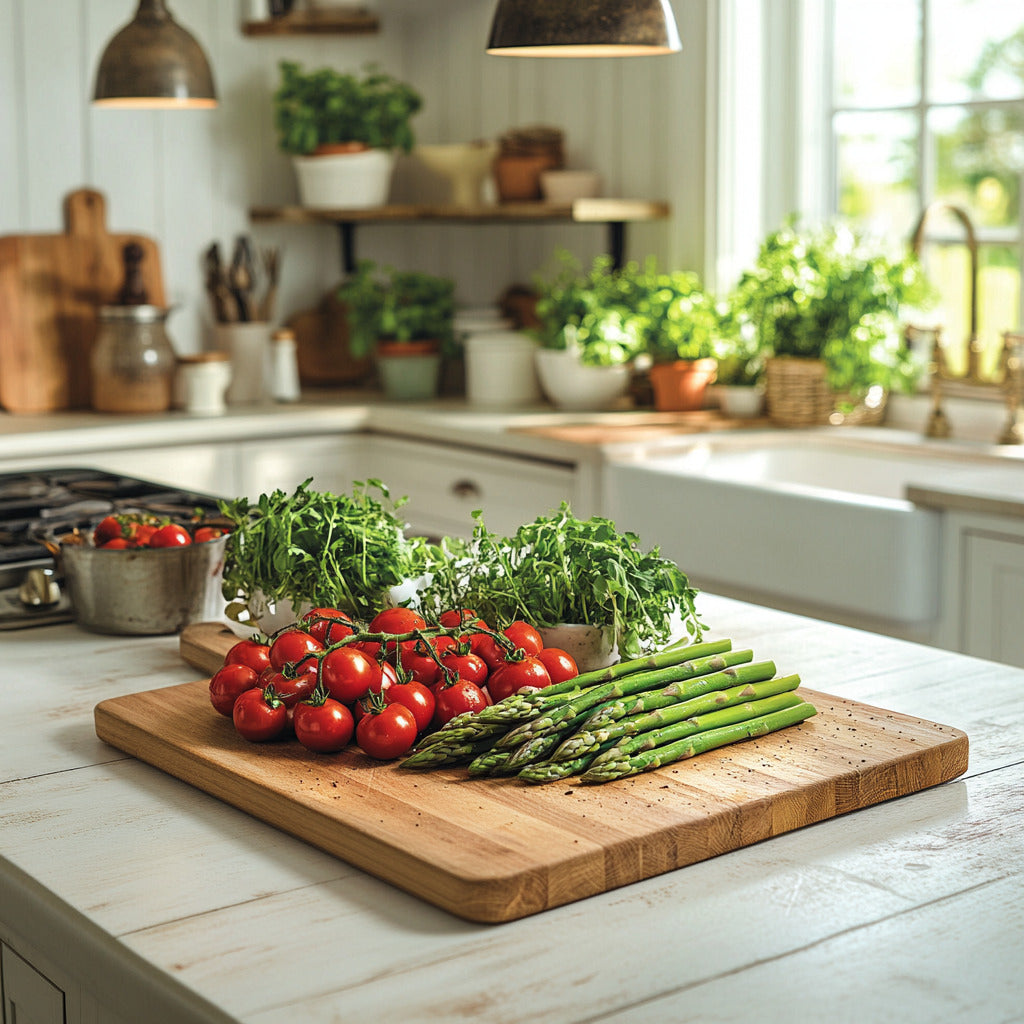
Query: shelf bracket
617, 242
347, 229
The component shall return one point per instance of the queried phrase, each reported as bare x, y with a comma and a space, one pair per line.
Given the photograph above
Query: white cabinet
445, 484
264, 466
29, 997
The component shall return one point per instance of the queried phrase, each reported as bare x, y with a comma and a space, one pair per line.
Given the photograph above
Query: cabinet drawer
445, 485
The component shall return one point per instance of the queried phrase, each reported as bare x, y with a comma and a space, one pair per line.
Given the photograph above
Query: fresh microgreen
331, 550
562, 569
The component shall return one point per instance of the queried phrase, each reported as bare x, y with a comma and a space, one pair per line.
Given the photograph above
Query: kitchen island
140, 898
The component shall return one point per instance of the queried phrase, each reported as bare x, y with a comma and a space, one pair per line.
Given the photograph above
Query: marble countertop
177, 907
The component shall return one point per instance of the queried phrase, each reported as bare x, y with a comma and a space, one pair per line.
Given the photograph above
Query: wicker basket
797, 395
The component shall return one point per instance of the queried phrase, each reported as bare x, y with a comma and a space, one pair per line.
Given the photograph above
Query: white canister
284, 367
203, 381
500, 369
248, 345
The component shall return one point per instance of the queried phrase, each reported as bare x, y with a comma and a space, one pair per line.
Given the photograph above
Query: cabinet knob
466, 489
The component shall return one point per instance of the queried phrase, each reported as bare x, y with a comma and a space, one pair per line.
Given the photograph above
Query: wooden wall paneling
52, 102
12, 122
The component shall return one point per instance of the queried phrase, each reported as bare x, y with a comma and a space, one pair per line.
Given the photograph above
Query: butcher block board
51, 288
495, 850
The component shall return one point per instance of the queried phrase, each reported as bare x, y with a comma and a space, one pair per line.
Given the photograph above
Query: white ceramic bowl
566, 186
569, 384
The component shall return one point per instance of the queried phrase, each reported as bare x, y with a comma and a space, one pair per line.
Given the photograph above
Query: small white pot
345, 180
500, 369
591, 647
266, 616
569, 384
739, 401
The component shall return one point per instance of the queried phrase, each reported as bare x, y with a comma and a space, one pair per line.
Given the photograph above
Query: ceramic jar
133, 362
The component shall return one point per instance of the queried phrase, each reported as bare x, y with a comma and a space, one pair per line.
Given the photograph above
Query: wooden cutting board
51, 287
494, 850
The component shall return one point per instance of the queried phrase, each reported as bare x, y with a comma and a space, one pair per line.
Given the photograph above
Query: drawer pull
466, 489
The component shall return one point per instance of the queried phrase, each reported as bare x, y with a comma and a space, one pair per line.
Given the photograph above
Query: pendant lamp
154, 63
583, 28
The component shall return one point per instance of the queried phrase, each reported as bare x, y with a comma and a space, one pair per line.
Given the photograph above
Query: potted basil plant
681, 331
404, 319
342, 131
589, 332
826, 307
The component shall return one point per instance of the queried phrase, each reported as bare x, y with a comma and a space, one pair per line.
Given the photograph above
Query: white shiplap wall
187, 178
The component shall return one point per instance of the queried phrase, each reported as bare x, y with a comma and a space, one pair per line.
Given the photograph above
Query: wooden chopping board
51, 287
495, 850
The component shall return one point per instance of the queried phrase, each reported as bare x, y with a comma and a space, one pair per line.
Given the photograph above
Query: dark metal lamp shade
583, 28
153, 62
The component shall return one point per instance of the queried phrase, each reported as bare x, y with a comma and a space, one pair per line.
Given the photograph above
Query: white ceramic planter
738, 401
266, 616
500, 369
345, 180
571, 385
591, 647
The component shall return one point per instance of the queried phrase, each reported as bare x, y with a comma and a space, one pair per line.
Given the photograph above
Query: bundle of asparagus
633, 717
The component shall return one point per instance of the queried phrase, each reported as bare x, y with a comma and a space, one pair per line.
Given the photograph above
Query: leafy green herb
830, 295
561, 569
336, 551
326, 106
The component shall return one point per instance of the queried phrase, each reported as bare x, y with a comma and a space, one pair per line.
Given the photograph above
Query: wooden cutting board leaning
494, 850
51, 288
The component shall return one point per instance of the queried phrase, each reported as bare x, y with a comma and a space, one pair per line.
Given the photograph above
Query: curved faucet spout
917, 242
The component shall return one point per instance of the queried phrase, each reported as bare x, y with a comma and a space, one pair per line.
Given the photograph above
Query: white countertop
908, 911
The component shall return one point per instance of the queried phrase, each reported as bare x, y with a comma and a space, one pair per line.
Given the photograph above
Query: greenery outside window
931, 107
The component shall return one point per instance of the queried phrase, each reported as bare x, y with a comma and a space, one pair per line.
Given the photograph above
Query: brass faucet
973, 373
1012, 365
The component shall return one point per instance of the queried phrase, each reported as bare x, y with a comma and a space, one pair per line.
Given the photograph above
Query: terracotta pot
337, 148
409, 370
518, 177
680, 386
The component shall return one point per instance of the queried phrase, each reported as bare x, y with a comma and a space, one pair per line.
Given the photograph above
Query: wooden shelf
331, 21
614, 213
583, 211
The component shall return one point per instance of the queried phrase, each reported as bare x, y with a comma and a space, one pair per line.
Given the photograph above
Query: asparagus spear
611, 767
439, 755
519, 707
665, 711
693, 678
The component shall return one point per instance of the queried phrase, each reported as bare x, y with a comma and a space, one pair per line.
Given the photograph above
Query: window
871, 110
932, 109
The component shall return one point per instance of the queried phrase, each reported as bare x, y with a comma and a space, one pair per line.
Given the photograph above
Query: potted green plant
342, 131
405, 320
739, 373
682, 322
825, 305
561, 571
589, 332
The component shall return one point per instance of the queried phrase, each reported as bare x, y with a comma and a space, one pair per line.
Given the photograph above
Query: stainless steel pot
144, 591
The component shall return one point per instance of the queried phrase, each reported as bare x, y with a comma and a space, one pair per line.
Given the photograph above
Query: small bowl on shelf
464, 165
566, 186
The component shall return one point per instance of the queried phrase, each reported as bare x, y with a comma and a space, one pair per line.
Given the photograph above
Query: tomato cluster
328, 679
140, 530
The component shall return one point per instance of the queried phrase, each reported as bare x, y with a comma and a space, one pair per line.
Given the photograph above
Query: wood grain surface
51, 287
495, 850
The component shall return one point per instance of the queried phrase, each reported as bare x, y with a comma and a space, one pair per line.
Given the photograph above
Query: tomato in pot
228, 684
170, 536
324, 727
117, 544
513, 676
207, 533
259, 716
387, 733
106, 530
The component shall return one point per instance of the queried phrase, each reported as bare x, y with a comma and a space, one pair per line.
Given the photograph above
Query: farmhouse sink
793, 516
